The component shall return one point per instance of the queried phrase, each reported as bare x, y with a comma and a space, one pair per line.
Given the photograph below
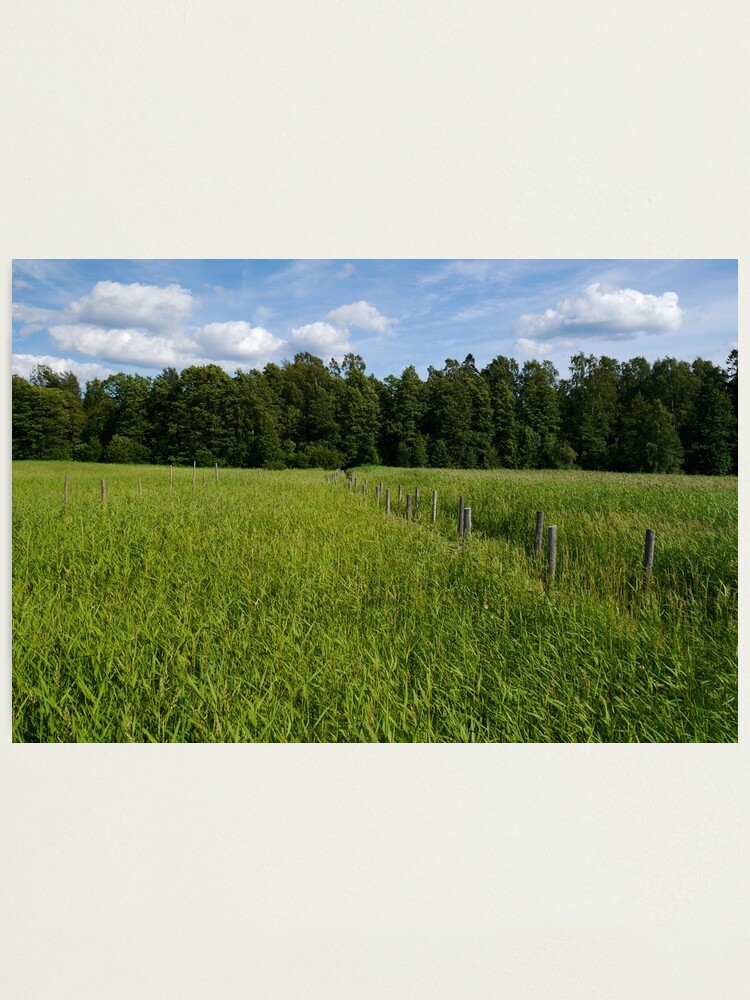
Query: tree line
632, 416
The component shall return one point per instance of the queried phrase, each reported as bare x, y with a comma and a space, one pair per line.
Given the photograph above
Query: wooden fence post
364, 488
216, 467
648, 557
408, 506
104, 491
551, 553
140, 487
460, 516
416, 500
399, 493
539, 533
387, 501
467, 522
434, 506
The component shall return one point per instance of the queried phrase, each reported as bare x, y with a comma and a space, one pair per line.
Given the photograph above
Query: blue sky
97, 317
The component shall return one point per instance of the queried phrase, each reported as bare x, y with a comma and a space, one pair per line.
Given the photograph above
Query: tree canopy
629, 416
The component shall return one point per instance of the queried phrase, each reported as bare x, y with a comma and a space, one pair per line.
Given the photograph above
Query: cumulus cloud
153, 307
361, 315
23, 364
320, 336
604, 310
236, 339
126, 346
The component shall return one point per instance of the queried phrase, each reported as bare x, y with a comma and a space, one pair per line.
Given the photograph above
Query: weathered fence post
434, 506
216, 467
140, 487
104, 491
460, 516
399, 493
408, 506
387, 501
467, 522
648, 557
364, 488
551, 553
539, 533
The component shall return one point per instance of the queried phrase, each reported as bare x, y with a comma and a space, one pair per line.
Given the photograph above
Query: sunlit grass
281, 607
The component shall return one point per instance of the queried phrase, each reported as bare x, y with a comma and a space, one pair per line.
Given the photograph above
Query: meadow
284, 606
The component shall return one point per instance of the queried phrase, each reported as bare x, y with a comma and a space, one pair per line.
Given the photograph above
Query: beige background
411, 128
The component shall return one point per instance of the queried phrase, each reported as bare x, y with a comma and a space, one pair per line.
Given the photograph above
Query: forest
633, 416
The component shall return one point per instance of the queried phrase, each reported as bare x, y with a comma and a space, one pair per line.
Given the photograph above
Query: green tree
501, 376
648, 439
591, 410
47, 422
163, 411
203, 433
404, 407
711, 431
540, 419
459, 420
358, 413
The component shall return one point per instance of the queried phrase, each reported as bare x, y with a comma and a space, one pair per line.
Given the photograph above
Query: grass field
276, 606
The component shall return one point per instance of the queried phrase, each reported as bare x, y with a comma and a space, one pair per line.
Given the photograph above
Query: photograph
374, 500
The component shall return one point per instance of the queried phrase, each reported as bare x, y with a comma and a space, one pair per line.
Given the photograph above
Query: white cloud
132, 347
112, 304
527, 347
313, 337
33, 317
530, 348
603, 310
22, 364
236, 339
360, 314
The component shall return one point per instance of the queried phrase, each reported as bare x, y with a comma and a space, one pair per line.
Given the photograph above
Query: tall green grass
280, 607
